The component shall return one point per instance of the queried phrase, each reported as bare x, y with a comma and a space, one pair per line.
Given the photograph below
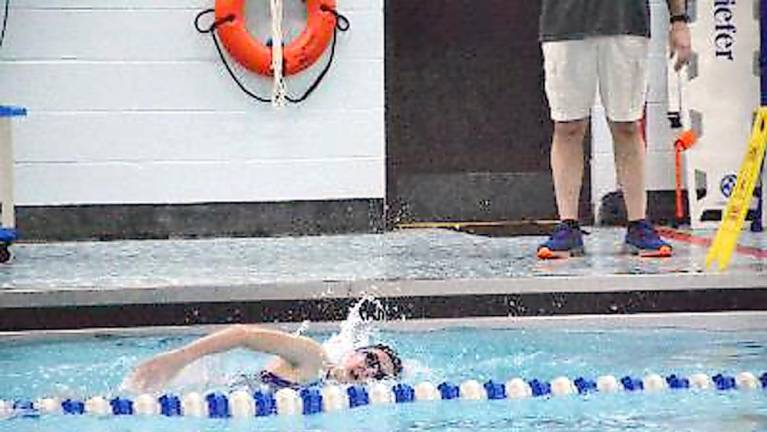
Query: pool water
89, 366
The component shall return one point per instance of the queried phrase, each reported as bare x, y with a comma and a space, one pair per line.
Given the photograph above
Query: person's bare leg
630, 158
567, 172
567, 165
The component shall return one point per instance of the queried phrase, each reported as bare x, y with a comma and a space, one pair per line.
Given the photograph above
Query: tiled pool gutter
76, 308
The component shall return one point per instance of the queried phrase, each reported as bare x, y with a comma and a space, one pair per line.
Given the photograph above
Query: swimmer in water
299, 360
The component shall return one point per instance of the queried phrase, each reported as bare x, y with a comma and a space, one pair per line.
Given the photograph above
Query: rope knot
342, 23
215, 24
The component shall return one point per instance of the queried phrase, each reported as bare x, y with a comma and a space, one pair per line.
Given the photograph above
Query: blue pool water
90, 366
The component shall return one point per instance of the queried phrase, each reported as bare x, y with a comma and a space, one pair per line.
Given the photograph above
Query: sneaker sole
663, 252
545, 253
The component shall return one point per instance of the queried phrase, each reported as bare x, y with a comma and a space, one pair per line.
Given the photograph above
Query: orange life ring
301, 53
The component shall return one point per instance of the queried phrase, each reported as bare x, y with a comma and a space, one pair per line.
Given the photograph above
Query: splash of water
303, 328
357, 330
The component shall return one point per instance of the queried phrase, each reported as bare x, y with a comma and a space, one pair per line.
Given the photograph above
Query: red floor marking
673, 234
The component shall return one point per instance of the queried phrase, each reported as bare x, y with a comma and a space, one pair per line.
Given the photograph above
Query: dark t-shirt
579, 19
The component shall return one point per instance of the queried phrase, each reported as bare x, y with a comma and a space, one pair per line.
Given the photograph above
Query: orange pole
685, 141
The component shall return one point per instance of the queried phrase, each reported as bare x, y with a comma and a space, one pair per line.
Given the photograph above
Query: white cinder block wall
660, 149
129, 104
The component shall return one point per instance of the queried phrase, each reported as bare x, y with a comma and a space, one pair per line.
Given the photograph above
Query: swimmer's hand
155, 373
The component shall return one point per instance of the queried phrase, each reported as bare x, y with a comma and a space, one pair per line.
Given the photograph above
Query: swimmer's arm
299, 351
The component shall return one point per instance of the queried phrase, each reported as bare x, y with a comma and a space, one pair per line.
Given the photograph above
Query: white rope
278, 89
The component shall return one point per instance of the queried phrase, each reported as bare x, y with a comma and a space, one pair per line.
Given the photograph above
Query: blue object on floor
12, 111
8, 235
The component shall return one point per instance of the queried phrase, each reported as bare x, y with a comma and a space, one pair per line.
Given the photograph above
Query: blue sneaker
564, 242
643, 240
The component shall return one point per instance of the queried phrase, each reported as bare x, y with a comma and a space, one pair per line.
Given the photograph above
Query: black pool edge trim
87, 222
103, 222
407, 307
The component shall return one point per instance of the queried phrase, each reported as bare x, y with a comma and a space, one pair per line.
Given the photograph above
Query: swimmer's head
374, 362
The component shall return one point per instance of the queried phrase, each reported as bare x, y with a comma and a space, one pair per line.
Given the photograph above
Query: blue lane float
584, 385
170, 405
315, 399
403, 393
676, 382
265, 404
448, 391
540, 388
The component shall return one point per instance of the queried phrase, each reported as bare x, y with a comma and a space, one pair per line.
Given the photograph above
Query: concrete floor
436, 255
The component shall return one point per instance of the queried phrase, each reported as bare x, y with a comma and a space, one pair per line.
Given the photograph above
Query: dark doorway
468, 131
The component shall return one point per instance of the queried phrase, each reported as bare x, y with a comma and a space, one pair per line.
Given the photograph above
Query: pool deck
416, 274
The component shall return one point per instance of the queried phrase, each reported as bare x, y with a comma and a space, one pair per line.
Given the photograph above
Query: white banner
722, 95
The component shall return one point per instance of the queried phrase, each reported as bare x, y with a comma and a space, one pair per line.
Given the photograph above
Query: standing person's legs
630, 155
623, 88
567, 165
571, 77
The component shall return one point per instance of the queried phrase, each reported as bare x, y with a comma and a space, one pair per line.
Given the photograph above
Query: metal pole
757, 225
763, 50
6, 174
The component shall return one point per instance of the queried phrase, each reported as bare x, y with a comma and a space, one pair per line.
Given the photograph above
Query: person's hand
154, 373
680, 44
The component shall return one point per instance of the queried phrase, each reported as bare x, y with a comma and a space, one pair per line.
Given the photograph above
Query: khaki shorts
618, 64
